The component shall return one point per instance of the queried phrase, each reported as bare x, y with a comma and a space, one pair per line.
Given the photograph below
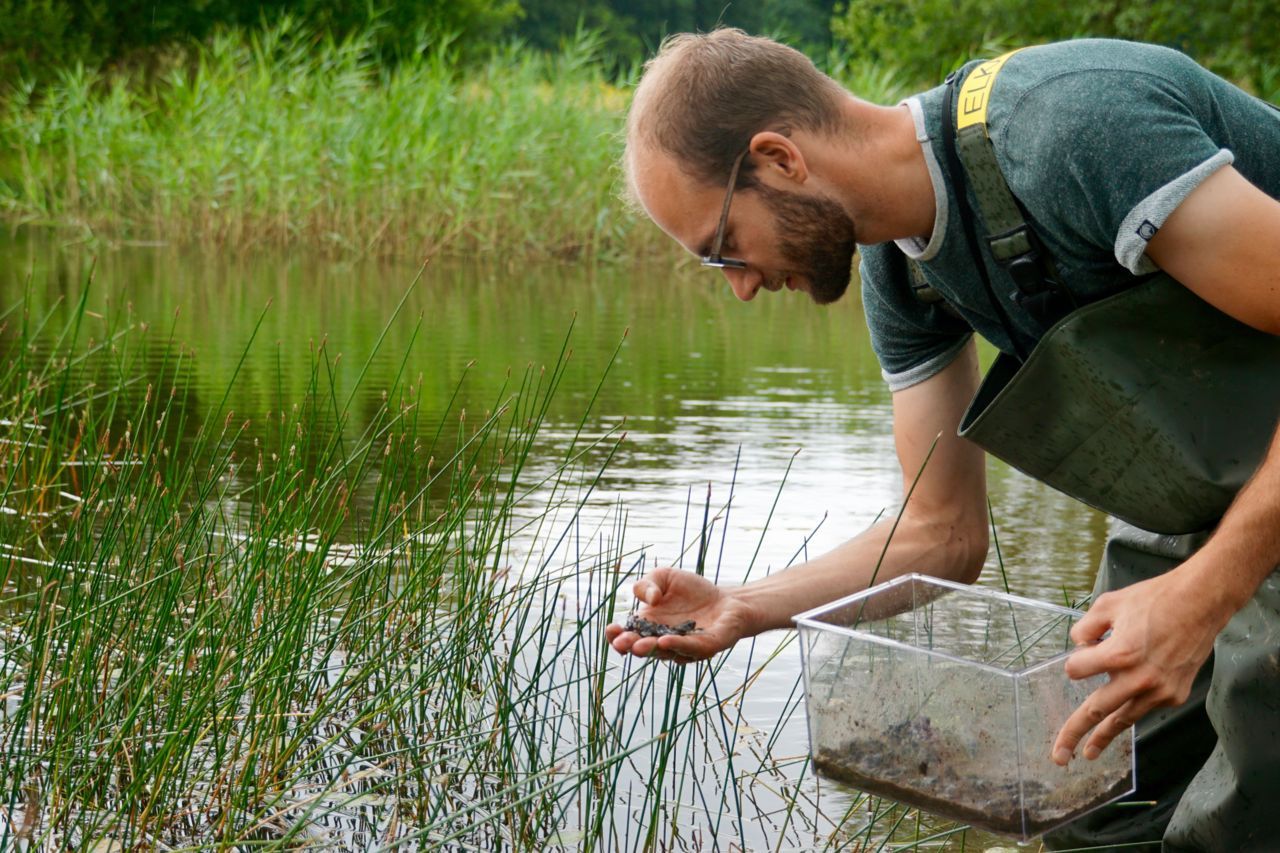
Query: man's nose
745, 283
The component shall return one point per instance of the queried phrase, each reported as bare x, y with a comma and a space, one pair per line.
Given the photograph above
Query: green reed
277, 137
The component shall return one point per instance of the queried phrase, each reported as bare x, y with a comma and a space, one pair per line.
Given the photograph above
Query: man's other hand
1162, 631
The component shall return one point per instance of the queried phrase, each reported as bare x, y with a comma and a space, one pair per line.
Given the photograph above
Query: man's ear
776, 154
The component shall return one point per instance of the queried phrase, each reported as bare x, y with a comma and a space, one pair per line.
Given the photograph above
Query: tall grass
274, 136
191, 655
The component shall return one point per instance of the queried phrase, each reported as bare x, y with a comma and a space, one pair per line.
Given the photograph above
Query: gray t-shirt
1099, 140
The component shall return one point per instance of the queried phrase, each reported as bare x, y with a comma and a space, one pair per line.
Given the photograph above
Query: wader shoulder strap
966, 219
1012, 243
908, 269
924, 292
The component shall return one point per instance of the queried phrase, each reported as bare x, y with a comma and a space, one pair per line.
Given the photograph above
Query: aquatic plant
275, 137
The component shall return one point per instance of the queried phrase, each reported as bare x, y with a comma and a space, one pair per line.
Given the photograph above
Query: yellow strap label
975, 94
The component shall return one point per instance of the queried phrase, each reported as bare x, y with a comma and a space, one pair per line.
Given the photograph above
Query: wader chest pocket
1150, 405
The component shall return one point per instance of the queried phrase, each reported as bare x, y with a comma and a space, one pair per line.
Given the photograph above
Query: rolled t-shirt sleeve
1146, 218
1115, 152
912, 340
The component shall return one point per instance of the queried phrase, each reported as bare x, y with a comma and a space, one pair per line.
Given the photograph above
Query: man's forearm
941, 532
942, 549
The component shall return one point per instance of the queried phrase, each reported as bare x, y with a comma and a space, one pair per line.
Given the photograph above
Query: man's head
706, 99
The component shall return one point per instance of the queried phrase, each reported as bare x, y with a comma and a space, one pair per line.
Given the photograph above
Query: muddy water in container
948, 698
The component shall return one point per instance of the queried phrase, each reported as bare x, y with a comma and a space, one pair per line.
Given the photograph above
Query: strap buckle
1018, 252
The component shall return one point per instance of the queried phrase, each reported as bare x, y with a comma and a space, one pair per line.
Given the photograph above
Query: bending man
1121, 160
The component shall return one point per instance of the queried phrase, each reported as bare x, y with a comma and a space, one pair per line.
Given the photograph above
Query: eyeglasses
715, 259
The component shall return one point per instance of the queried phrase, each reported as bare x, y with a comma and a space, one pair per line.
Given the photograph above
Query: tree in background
39, 36
921, 39
1239, 39
631, 30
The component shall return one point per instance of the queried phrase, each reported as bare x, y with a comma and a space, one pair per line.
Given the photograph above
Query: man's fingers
1090, 660
631, 642
689, 647
648, 591
672, 648
1107, 712
1109, 729
1100, 704
644, 646
1064, 748
622, 640
1092, 626
701, 644
653, 587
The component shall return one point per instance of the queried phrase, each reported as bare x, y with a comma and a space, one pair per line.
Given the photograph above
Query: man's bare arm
943, 528
942, 531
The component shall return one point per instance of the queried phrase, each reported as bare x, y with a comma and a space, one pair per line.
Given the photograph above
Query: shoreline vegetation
279, 137
314, 627
275, 138
270, 138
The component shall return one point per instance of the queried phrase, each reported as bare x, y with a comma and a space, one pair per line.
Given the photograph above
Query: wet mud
918, 772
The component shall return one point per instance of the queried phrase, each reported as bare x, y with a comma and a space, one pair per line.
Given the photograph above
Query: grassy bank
276, 138
273, 635
273, 138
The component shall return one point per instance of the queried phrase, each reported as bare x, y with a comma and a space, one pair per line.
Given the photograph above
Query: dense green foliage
632, 30
407, 129
275, 139
39, 37
924, 38
928, 38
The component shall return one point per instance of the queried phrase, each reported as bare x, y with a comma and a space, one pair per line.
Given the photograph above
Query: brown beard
817, 239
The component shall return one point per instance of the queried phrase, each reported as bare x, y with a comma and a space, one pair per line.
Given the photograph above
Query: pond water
778, 402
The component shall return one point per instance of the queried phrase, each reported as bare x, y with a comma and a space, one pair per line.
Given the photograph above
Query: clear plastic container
948, 698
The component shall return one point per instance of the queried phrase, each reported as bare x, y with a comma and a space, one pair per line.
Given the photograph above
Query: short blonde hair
704, 95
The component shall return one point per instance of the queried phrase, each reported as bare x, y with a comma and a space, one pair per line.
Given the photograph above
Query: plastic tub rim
807, 620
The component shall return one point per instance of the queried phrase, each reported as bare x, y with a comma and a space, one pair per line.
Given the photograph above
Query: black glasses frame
715, 259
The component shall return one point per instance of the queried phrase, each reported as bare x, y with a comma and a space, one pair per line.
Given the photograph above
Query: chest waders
1154, 407
1150, 405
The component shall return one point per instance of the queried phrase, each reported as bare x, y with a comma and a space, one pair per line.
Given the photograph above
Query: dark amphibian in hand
645, 628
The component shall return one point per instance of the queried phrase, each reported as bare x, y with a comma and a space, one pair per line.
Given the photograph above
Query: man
1125, 159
